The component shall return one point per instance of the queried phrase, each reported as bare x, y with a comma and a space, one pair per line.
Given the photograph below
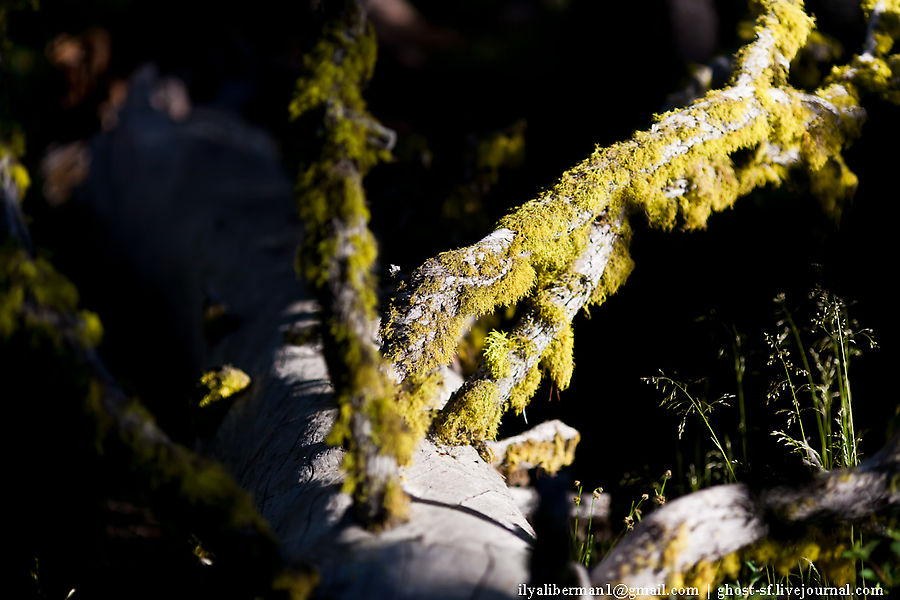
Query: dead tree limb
691, 163
705, 527
336, 258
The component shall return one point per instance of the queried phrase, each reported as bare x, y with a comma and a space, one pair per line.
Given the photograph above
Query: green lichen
471, 415
222, 383
520, 394
497, 347
548, 455
783, 557
26, 282
557, 360
10, 168
338, 254
617, 270
823, 550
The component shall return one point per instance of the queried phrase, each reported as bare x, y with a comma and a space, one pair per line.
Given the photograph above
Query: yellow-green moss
22, 279
705, 575
89, 329
558, 360
549, 455
473, 414
675, 545
331, 187
339, 251
206, 494
336, 68
497, 347
298, 583
888, 25
474, 302
618, 268
396, 502
874, 75
639, 175
222, 383
391, 431
783, 557
471, 347
416, 398
11, 168
825, 551
520, 394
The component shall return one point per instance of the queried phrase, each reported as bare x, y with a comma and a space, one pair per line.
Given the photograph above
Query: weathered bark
710, 524
337, 256
550, 445
569, 295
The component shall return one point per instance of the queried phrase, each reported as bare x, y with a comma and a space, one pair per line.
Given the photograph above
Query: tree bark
710, 524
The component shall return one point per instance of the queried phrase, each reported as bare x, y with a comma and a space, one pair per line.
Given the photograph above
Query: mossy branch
337, 256
692, 162
701, 538
549, 446
14, 182
469, 415
536, 241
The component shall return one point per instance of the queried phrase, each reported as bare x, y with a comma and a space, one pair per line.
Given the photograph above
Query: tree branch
13, 182
683, 169
550, 446
707, 526
336, 257
534, 243
474, 411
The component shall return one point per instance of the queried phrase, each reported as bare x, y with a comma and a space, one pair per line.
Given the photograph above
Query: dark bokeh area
491, 100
